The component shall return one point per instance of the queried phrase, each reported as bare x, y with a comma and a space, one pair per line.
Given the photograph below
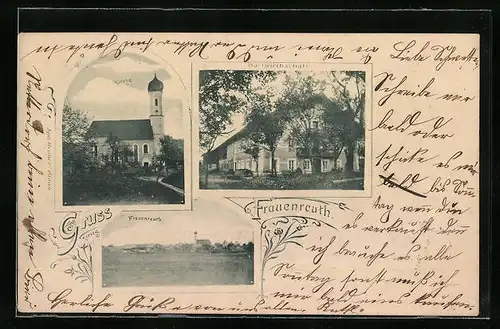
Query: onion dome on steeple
155, 85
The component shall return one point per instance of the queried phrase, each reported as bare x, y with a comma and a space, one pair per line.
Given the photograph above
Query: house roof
124, 129
233, 138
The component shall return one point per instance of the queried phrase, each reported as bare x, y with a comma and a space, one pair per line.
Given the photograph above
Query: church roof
124, 129
155, 85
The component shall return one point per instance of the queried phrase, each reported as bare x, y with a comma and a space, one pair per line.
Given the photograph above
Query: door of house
276, 164
316, 163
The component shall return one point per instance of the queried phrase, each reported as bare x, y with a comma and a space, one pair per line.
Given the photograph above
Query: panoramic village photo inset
185, 263
122, 135
282, 130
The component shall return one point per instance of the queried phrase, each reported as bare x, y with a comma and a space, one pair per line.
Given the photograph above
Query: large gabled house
230, 155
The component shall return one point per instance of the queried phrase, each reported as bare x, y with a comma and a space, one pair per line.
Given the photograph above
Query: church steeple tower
155, 90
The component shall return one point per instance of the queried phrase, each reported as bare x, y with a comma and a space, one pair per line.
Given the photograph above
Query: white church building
142, 135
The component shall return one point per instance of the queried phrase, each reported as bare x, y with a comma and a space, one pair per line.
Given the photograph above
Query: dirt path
153, 179
348, 180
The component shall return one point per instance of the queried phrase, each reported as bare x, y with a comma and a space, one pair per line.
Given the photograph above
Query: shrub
133, 171
244, 172
234, 177
337, 170
176, 179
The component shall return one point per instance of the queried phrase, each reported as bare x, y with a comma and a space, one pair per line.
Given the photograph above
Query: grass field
164, 268
320, 181
102, 188
175, 179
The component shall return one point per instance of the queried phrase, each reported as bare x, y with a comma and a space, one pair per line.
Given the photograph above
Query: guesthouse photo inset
282, 130
122, 135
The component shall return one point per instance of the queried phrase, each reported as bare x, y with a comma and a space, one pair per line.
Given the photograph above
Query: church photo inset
122, 135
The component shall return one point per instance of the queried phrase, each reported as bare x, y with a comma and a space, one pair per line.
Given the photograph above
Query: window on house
307, 164
291, 164
315, 124
325, 165
145, 149
291, 144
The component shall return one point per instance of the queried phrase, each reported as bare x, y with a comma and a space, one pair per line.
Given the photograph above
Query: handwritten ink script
342, 174
116, 45
38, 106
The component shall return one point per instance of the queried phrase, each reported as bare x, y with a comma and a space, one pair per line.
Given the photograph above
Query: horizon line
213, 242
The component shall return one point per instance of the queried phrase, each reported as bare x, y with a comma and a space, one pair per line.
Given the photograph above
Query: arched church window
145, 149
156, 101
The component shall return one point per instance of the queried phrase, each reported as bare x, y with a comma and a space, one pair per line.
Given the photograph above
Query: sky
239, 119
112, 89
207, 219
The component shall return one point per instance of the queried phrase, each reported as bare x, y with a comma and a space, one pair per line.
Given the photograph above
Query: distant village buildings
197, 245
200, 243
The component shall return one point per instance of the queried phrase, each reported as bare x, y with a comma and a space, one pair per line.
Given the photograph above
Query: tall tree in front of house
169, 156
266, 121
222, 94
219, 100
349, 89
252, 147
301, 99
335, 128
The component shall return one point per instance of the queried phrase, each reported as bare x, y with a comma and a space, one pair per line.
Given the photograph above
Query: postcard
248, 174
